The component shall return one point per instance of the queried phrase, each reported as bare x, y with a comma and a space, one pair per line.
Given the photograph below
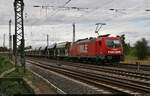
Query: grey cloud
39, 22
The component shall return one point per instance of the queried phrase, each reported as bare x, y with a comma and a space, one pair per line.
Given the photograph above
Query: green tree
3, 49
126, 46
141, 49
148, 51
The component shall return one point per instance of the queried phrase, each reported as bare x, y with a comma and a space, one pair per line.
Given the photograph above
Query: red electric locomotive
101, 49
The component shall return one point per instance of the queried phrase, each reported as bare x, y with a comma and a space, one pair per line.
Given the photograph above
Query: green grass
5, 64
10, 86
18, 73
14, 74
13, 87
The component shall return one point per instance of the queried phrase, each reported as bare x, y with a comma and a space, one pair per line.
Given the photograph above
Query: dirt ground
133, 60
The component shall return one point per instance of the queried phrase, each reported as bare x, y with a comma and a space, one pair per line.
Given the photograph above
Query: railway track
78, 76
123, 66
108, 80
113, 70
106, 69
133, 67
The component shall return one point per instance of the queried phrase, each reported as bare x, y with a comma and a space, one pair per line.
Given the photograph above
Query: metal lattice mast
19, 31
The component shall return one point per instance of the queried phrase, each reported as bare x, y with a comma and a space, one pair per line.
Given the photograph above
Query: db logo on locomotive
83, 48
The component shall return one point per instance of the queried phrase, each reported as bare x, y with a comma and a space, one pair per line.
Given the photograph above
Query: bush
148, 51
2, 58
132, 51
141, 49
5, 64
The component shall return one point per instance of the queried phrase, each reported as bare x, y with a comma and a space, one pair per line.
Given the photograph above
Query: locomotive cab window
113, 43
100, 43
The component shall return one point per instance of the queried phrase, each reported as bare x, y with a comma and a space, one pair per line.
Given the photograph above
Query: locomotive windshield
113, 43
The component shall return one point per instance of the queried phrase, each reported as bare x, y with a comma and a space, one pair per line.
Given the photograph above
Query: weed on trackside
5, 64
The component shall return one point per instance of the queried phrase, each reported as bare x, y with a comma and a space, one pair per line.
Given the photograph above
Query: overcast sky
129, 18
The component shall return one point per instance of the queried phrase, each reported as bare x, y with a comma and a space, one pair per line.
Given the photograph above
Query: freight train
100, 49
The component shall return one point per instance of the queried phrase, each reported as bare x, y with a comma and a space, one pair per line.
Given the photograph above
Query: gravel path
68, 86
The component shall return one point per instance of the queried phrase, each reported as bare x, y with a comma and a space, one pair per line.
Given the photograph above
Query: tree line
141, 50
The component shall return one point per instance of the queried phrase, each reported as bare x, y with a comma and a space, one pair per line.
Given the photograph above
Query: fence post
138, 66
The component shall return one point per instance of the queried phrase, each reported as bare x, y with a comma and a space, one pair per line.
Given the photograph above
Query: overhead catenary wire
68, 1
56, 12
61, 6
